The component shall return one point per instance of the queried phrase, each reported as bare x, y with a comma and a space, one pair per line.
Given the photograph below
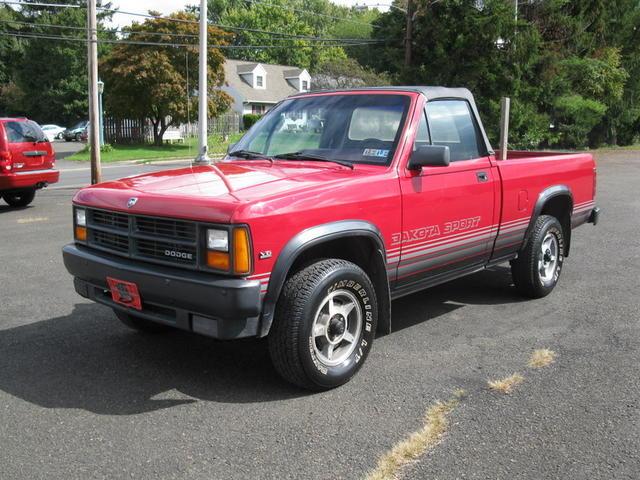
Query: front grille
110, 241
110, 219
166, 228
158, 240
171, 252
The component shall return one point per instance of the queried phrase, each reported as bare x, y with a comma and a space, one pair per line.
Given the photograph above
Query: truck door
448, 212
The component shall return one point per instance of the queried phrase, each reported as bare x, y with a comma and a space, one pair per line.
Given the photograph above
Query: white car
53, 132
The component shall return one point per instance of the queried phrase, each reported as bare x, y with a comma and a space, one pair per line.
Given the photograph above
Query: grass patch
506, 385
541, 358
416, 444
188, 149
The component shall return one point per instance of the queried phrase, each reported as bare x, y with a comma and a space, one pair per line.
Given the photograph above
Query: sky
167, 6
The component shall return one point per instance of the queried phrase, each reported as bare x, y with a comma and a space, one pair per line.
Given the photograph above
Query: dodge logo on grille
132, 201
173, 253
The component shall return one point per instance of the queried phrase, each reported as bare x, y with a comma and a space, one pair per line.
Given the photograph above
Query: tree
151, 81
346, 73
47, 79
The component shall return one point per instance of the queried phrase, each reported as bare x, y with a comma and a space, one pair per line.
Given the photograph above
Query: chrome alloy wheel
336, 327
548, 260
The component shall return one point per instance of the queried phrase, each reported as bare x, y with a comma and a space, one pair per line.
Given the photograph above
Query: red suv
27, 161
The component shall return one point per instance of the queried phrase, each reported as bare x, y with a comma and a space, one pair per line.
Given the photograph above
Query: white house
256, 87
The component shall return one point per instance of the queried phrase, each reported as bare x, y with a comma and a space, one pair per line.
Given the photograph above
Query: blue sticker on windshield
374, 152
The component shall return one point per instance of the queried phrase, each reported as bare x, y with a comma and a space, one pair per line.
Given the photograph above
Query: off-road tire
525, 269
291, 343
140, 324
20, 199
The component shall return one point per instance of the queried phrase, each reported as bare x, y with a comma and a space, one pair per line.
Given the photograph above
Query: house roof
277, 86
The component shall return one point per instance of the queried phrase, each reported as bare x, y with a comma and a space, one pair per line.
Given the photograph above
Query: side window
452, 124
422, 136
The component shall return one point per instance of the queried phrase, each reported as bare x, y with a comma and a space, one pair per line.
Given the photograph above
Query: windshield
80, 125
360, 128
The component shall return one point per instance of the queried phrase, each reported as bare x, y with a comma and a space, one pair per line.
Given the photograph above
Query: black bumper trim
594, 216
199, 302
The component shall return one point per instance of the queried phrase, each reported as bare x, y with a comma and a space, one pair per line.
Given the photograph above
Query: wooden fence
119, 131
123, 131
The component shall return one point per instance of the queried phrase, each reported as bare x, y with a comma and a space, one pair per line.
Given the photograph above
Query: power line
177, 20
182, 35
307, 12
174, 45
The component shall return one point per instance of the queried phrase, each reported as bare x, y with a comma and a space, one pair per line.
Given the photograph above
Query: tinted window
451, 123
354, 128
24, 132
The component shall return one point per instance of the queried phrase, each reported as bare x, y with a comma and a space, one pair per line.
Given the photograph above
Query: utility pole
203, 102
94, 117
408, 40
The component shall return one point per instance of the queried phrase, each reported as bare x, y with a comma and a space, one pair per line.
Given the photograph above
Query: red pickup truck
27, 161
305, 234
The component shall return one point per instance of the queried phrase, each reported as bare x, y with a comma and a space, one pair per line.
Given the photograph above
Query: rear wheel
324, 325
140, 324
21, 198
78, 137
537, 269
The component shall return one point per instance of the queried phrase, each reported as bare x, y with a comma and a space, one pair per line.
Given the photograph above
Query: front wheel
537, 269
324, 325
20, 199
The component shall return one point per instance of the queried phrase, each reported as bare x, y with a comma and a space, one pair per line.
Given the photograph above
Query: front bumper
28, 179
198, 302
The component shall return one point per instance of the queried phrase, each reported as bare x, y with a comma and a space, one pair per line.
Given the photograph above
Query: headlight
81, 217
80, 230
218, 240
229, 250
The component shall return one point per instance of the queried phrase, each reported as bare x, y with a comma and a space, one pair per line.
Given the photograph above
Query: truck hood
209, 192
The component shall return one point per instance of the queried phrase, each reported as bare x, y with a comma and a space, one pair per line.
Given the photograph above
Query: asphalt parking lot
81, 396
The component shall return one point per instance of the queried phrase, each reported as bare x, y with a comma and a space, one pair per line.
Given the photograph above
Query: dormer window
259, 81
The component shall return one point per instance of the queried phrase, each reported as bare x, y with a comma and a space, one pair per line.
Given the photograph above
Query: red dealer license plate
125, 293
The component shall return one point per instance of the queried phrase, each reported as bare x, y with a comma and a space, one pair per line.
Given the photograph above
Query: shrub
249, 119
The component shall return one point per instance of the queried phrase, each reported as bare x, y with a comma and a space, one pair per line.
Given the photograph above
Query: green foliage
249, 119
143, 82
346, 73
577, 116
43, 79
572, 64
290, 17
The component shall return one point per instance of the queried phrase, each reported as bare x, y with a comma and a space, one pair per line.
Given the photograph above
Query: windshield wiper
311, 156
249, 155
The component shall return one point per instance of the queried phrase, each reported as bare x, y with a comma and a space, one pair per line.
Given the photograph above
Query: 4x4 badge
132, 201
266, 254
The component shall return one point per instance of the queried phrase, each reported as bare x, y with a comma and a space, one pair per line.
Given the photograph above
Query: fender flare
546, 195
312, 237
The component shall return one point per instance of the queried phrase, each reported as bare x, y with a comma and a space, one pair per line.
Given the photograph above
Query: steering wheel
373, 142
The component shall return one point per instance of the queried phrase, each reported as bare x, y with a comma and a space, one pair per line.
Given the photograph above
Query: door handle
482, 176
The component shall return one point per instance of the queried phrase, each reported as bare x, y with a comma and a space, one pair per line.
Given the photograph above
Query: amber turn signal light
81, 234
218, 260
241, 251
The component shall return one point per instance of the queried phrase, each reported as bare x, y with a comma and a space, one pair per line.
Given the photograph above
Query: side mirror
429, 156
